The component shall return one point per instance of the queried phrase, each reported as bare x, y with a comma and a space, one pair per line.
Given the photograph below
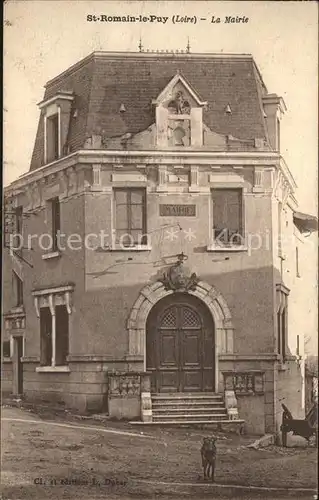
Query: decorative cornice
287, 174
14, 314
84, 158
63, 95
280, 287
57, 289
275, 99
249, 357
92, 358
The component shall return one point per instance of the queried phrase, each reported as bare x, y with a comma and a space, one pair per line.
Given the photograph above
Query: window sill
221, 248
282, 366
6, 359
51, 255
15, 310
136, 248
54, 369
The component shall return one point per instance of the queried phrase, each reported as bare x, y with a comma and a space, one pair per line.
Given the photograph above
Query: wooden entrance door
180, 345
17, 375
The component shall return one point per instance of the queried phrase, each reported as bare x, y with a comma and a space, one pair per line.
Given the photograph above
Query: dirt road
60, 459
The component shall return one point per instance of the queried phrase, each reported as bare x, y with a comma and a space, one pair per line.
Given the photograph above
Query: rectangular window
18, 230
52, 138
278, 134
282, 322
56, 222
17, 289
130, 216
6, 351
18, 220
297, 263
279, 229
45, 336
62, 335
54, 355
227, 217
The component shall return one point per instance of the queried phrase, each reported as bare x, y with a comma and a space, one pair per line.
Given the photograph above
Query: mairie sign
178, 210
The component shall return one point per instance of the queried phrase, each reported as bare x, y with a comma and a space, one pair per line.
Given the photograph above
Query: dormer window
179, 133
273, 109
56, 119
53, 137
179, 115
278, 134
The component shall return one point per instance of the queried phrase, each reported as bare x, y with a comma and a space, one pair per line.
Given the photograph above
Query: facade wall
252, 410
244, 278
6, 377
289, 390
96, 312
68, 268
104, 279
255, 407
84, 388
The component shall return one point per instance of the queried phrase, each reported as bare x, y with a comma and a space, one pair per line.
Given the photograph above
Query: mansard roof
104, 81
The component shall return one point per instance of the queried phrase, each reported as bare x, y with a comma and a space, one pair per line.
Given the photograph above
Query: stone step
187, 404
220, 425
188, 410
192, 409
189, 418
187, 400
187, 396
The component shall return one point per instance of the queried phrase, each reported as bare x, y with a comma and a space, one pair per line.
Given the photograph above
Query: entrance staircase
192, 409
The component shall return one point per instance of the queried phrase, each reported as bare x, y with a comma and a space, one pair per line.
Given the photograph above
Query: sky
43, 38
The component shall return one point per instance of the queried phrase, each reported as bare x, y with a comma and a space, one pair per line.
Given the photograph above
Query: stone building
311, 382
161, 241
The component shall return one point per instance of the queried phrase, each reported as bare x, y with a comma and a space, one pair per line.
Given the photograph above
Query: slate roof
103, 81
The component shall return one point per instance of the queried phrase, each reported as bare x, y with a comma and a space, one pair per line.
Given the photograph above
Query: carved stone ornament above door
178, 277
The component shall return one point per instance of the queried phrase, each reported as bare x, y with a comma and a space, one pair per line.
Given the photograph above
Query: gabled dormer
56, 112
179, 115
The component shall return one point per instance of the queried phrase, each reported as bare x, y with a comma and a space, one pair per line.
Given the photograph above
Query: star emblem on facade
171, 234
189, 234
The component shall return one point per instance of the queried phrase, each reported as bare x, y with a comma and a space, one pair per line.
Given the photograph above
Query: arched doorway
180, 345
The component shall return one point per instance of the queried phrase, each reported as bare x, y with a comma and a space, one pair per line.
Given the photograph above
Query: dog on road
208, 453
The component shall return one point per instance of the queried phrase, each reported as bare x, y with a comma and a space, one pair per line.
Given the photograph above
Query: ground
47, 456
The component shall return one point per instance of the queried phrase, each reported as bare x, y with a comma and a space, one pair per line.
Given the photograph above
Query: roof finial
188, 47
140, 46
